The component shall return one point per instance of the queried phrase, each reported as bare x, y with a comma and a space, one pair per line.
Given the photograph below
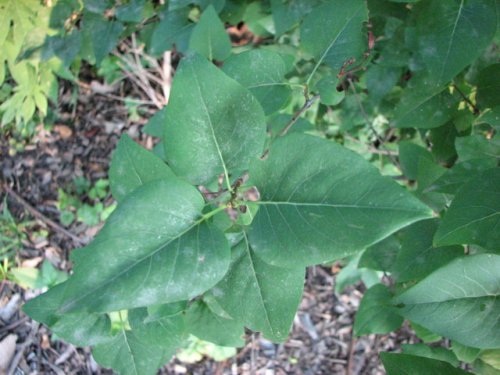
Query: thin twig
350, 354
309, 102
23, 346
17, 323
37, 214
475, 109
369, 123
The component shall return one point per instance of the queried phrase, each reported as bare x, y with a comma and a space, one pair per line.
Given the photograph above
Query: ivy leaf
445, 27
424, 105
207, 325
376, 314
272, 293
209, 114
397, 364
474, 214
418, 257
155, 248
459, 301
321, 202
209, 37
332, 33
131, 355
133, 166
263, 73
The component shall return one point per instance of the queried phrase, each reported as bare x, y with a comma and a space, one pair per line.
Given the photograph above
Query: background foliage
397, 170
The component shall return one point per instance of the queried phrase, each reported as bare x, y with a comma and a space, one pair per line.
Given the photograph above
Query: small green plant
12, 233
212, 233
30, 82
72, 207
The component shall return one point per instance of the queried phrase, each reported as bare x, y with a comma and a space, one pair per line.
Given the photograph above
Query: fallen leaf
7, 350
63, 130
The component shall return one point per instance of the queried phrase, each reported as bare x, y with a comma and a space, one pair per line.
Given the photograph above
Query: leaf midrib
254, 274
335, 205
211, 126
129, 348
469, 223
451, 40
320, 61
69, 305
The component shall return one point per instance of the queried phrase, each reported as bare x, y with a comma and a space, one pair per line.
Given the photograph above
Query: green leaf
258, 20
424, 334
321, 202
454, 178
376, 314
474, 214
131, 355
88, 214
209, 37
133, 166
418, 258
327, 88
429, 172
65, 47
156, 123
478, 147
397, 364
83, 329
351, 273
380, 80
409, 157
459, 301
155, 248
209, 114
174, 28
381, 256
18, 16
422, 350
424, 105
207, 325
287, 14
492, 358
131, 12
451, 34
332, 33
263, 73
443, 141
272, 293
103, 33
491, 117
465, 353
160, 325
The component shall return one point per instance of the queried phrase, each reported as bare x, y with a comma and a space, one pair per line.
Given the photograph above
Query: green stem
211, 213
